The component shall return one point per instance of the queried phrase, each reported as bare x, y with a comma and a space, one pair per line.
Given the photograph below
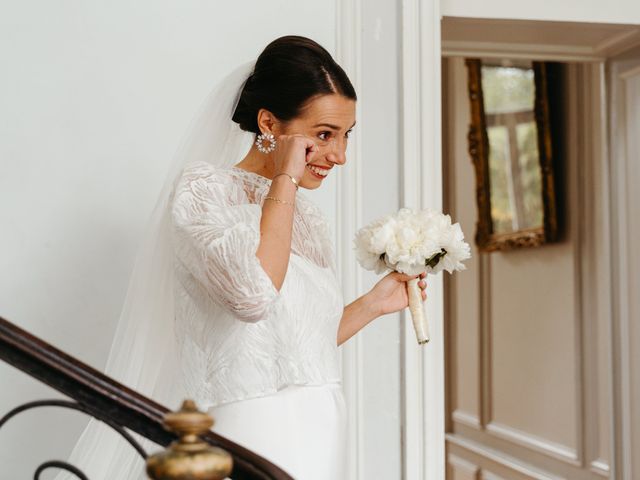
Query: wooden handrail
110, 401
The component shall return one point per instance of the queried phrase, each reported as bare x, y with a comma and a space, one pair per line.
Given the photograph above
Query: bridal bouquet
412, 242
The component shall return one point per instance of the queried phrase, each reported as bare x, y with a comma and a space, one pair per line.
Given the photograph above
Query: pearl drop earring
272, 141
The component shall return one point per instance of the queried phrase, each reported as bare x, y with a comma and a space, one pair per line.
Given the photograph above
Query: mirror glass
514, 163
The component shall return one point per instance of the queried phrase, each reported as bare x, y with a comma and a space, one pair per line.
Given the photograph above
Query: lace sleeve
217, 241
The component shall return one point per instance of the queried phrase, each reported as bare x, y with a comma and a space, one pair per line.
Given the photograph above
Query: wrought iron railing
109, 401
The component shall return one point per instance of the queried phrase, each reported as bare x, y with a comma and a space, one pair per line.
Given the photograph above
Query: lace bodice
238, 336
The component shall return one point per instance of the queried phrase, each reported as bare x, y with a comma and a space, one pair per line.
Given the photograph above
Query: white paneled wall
94, 97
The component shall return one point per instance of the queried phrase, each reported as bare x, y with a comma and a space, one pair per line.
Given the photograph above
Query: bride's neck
257, 162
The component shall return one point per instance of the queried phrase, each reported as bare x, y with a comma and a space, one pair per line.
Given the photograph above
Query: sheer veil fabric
143, 354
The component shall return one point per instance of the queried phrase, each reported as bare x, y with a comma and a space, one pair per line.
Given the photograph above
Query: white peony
412, 242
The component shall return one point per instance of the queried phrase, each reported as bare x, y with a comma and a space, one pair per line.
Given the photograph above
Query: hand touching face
326, 120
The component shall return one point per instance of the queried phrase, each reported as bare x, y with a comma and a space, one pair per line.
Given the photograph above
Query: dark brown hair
289, 72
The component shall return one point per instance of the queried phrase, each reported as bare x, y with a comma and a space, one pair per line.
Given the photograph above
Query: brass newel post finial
189, 457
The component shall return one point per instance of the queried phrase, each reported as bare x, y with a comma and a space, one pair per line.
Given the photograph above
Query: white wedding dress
264, 363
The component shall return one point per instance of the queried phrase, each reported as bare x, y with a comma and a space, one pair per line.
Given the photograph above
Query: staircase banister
108, 400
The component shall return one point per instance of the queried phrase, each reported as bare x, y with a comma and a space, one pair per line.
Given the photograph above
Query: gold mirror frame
486, 239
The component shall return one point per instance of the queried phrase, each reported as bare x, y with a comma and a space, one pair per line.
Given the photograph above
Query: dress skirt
301, 428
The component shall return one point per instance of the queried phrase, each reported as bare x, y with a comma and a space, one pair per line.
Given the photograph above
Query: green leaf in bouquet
435, 258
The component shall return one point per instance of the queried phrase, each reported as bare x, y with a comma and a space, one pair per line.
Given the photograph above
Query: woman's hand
292, 153
390, 293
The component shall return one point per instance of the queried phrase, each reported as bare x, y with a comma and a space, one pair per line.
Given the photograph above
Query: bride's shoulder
205, 182
204, 169
201, 171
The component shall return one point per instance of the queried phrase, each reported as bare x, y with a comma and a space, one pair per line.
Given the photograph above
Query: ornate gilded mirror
510, 143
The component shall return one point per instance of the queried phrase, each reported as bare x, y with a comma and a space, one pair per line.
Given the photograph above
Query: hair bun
289, 71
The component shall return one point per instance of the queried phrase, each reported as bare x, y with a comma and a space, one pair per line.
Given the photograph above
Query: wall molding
466, 418
348, 218
530, 441
481, 452
623, 178
423, 385
560, 53
422, 367
412, 401
600, 467
484, 348
463, 467
596, 44
595, 262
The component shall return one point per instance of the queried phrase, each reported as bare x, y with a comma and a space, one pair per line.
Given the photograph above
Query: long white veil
143, 354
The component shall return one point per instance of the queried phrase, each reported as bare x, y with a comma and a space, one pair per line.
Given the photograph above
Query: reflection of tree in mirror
499, 179
514, 172
530, 175
507, 89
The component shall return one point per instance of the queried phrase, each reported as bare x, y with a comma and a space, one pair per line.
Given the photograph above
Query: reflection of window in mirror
514, 170
510, 142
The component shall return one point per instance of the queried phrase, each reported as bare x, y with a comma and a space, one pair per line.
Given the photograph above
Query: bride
235, 299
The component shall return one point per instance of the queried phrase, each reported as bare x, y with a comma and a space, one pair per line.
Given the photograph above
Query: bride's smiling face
328, 120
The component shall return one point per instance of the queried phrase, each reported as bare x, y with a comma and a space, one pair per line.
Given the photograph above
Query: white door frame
422, 385
422, 366
348, 220
423, 395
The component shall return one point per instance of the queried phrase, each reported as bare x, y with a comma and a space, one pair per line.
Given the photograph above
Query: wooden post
189, 457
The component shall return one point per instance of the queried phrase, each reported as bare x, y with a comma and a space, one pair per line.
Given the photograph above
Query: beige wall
527, 341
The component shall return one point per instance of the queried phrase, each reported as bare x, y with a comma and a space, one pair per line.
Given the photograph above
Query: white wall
94, 97
613, 11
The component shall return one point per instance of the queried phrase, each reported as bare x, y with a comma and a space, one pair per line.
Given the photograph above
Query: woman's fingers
423, 285
406, 277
